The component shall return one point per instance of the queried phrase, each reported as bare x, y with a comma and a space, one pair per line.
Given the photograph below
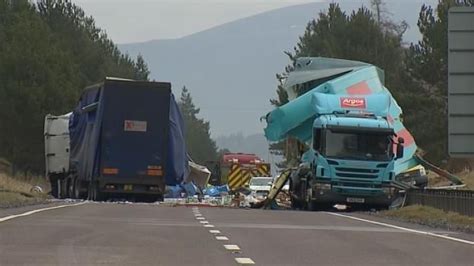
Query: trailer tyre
77, 193
70, 188
96, 194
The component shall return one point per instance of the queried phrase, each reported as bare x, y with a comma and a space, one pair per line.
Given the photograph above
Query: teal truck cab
358, 146
352, 156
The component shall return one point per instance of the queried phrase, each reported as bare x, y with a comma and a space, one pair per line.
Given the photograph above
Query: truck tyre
77, 193
295, 203
70, 188
54, 187
63, 189
96, 194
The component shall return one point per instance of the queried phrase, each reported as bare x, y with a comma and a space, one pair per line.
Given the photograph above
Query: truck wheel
63, 189
54, 187
295, 203
77, 194
96, 194
70, 188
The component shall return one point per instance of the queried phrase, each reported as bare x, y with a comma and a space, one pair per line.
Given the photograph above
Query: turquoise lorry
357, 149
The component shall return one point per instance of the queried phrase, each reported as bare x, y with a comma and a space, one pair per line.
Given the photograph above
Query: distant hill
230, 69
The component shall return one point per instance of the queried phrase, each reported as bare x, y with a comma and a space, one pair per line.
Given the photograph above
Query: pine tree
427, 64
141, 69
360, 36
48, 53
200, 145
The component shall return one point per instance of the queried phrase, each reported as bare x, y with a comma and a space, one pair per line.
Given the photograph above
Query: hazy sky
141, 20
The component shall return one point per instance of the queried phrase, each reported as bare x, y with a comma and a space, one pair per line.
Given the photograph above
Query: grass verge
15, 192
468, 179
431, 217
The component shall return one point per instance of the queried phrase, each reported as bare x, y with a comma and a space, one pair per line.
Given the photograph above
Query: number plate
355, 200
128, 187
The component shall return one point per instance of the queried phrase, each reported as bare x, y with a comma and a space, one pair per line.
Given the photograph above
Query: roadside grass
468, 179
431, 217
17, 191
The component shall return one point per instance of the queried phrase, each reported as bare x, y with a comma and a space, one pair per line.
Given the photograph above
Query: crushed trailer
356, 148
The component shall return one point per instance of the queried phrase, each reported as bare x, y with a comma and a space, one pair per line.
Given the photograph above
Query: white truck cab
56, 140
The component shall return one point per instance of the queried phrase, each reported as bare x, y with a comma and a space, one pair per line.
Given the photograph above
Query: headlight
388, 190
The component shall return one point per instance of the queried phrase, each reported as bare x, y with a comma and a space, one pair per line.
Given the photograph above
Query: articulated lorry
123, 137
358, 151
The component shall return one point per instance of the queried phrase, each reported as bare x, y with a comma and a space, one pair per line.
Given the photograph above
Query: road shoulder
411, 226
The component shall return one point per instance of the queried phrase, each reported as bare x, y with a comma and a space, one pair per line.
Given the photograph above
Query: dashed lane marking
204, 222
214, 231
232, 247
200, 218
222, 238
209, 225
244, 261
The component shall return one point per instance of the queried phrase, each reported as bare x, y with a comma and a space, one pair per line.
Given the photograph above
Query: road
149, 234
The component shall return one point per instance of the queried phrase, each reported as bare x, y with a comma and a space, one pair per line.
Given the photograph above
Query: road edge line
11, 217
404, 228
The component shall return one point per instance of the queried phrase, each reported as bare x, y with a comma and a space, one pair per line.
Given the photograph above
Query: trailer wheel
77, 194
96, 194
70, 188
64, 188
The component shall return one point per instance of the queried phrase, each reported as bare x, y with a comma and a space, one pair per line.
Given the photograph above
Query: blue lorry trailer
125, 137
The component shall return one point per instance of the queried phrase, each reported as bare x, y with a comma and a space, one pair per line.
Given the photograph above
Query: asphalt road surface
149, 234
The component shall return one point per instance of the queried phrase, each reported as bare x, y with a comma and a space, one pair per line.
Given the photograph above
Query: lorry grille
356, 172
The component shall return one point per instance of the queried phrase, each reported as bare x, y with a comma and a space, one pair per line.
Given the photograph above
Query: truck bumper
142, 185
351, 195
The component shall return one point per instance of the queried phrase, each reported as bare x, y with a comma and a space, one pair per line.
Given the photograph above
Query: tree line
416, 74
49, 51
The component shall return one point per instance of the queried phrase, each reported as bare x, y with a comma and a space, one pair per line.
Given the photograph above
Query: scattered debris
36, 189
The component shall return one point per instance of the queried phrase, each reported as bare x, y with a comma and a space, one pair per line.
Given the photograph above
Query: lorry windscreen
374, 146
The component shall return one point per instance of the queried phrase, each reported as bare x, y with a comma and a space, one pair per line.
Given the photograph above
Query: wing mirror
400, 148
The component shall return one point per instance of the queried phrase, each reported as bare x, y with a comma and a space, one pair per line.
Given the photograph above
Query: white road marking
204, 222
214, 231
244, 261
405, 229
3, 219
222, 238
200, 218
197, 214
232, 247
209, 225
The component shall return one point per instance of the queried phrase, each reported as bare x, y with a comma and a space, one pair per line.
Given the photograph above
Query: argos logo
353, 103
